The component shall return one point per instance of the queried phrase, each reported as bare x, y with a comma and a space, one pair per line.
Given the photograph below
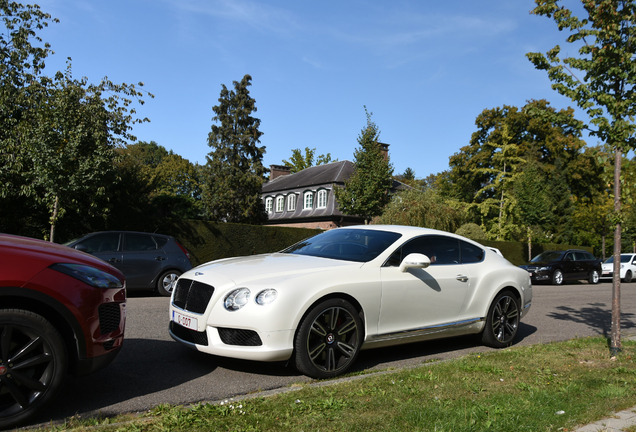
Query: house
306, 199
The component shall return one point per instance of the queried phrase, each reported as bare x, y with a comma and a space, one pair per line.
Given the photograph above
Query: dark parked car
149, 261
556, 267
61, 311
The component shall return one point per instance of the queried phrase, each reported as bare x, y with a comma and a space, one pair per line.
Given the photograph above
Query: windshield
346, 244
548, 256
624, 259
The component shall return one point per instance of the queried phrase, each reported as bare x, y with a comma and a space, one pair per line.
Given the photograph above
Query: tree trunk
529, 243
615, 345
54, 218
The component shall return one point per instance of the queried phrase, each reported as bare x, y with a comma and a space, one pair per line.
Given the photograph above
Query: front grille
109, 344
195, 337
239, 337
109, 317
192, 296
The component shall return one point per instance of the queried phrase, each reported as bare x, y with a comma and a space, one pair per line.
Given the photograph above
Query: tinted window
471, 253
161, 241
440, 250
139, 242
548, 256
106, 242
346, 244
589, 256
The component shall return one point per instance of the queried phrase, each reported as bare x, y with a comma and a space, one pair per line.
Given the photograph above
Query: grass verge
551, 387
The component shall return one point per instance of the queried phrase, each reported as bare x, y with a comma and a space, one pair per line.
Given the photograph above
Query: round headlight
266, 296
237, 299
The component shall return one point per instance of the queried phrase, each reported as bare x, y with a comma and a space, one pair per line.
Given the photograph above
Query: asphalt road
153, 369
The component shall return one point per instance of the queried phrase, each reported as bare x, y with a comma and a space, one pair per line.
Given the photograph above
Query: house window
269, 202
321, 199
309, 201
280, 204
291, 202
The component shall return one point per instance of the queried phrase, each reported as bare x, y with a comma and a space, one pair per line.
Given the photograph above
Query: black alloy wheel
502, 322
33, 365
328, 339
167, 281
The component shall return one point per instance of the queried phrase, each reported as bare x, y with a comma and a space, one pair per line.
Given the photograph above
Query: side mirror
414, 260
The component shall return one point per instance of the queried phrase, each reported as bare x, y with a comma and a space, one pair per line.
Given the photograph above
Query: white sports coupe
321, 301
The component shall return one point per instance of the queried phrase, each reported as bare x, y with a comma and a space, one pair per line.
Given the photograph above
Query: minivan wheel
167, 282
33, 365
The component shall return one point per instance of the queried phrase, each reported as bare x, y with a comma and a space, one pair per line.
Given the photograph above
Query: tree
425, 209
533, 202
606, 41
297, 162
366, 192
234, 172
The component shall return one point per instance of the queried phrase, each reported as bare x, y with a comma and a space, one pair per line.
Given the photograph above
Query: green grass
552, 387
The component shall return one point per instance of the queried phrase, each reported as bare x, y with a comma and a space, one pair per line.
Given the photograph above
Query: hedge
207, 241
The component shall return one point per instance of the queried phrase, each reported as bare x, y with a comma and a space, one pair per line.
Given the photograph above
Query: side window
106, 242
161, 241
139, 242
439, 249
569, 257
471, 253
321, 199
269, 204
588, 256
280, 204
291, 202
309, 201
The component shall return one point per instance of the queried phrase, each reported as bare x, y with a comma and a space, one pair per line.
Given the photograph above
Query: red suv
61, 311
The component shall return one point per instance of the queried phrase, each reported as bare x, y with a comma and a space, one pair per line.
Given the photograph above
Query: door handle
114, 260
462, 278
160, 258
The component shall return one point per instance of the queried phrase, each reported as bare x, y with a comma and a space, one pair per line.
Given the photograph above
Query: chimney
278, 171
384, 149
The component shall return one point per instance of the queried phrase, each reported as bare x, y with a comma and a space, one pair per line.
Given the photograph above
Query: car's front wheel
557, 277
628, 277
594, 277
328, 339
167, 282
502, 321
33, 364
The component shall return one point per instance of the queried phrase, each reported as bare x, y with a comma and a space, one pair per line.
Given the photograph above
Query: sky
424, 69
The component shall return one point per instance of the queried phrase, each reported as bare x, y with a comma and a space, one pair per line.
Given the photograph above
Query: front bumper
274, 345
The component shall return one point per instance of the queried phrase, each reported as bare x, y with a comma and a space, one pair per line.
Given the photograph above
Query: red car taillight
185, 251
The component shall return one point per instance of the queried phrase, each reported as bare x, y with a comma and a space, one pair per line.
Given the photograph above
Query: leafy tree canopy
366, 192
298, 162
234, 173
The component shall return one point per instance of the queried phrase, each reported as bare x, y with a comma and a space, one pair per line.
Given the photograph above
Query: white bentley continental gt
321, 301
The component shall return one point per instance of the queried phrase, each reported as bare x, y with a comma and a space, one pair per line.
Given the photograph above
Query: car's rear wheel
557, 277
167, 281
328, 339
502, 321
628, 277
33, 364
595, 277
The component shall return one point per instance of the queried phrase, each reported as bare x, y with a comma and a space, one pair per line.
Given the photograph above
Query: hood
280, 265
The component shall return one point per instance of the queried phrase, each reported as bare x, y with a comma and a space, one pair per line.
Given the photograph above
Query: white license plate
185, 321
